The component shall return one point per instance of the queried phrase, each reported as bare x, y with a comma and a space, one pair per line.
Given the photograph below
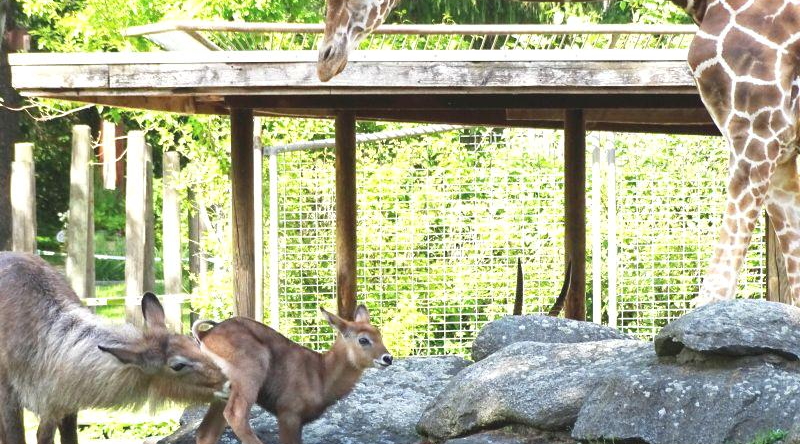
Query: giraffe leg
783, 207
747, 192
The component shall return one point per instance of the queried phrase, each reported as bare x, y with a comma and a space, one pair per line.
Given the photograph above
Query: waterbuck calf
56, 357
292, 382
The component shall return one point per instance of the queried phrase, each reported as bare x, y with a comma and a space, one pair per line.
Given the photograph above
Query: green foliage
771, 437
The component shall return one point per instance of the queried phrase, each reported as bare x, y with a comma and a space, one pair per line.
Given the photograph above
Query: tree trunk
9, 126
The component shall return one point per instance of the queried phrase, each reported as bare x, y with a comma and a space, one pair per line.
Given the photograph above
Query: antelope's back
33, 298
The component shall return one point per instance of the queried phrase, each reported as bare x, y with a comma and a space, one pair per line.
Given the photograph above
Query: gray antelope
292, 382
56, 357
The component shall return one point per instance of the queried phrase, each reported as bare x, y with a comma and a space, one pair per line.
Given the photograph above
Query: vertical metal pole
258, 218
611, 189
346, 214
243, 218
575, 211
597, 235
274, 270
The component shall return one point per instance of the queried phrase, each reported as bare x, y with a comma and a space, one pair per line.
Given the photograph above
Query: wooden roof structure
588, 77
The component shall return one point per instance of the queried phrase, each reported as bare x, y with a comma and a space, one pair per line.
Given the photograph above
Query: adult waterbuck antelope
56, 357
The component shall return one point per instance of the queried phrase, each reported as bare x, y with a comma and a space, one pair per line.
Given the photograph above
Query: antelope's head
362, 341
347, 22
175, 366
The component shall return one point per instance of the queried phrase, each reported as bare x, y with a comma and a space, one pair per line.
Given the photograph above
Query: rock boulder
735, 328
511, 329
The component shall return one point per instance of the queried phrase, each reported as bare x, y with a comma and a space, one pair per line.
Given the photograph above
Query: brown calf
292, 382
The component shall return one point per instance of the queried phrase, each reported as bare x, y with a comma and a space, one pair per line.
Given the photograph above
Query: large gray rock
735, 328
721, 400
529, 383
382, 409
510, 329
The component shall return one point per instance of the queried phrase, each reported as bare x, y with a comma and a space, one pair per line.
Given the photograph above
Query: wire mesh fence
443, 219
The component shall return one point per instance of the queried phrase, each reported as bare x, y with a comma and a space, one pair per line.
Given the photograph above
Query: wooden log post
80, 224
139, 248
23, 199
243, 218
258, 219
575, 211
777, 280
346, 215
171, 240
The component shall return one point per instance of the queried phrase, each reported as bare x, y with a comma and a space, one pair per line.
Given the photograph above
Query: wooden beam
575, 211
243, 218
346, 250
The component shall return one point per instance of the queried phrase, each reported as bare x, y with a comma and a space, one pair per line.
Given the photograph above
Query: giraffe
347, 22
746, 62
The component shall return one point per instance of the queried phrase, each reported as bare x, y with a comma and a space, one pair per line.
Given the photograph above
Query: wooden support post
258, 219
346, 215
274, 264
243, 229
80, 226
575, 211
23, 199
171, 239
139, 273
777, 279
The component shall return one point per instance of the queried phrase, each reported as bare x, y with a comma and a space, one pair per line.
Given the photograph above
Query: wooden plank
243, 234
346, 249
139, 254
171, 238
502, 75
59, 76
80, 227
588, 99
23, 199
689, 116
575, 212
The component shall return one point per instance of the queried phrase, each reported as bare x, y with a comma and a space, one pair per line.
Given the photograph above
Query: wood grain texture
346, 252
575, 212
242, 207
80, 227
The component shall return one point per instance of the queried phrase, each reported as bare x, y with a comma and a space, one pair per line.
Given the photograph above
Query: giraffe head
347, 22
